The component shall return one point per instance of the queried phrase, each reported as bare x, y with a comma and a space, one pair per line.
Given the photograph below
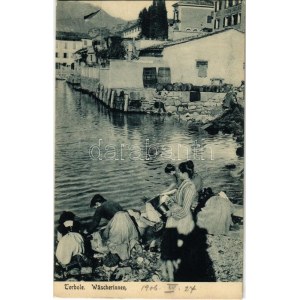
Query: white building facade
66, 45
132, 32
203, 60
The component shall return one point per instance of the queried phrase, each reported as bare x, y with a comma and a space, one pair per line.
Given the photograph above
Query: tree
162, 18
116, 49
83, 56
144, 23
154, 21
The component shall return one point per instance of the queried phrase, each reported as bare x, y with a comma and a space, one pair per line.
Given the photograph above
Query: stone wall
176, 103
148, 100
206, 109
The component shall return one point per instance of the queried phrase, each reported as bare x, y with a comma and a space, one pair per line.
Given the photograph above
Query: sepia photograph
149, 148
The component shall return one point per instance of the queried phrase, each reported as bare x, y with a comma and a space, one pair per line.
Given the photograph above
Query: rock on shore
226, 253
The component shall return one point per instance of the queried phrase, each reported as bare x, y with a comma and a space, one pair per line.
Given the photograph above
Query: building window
74, 45
229, 18
195, 30
85, 43
66, 45
230, 3
217, 23
227, 21
188, 29
56, 55
65, 55
209, 19
149, 77
176, 15
239, 18
202, 65
235, 19
218, 5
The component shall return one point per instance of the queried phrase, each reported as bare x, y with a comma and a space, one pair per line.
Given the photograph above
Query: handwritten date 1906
169, 288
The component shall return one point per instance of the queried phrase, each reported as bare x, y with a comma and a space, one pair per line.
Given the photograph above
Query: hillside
69, 18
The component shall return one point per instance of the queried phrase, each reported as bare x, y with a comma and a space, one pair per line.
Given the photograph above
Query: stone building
229, 14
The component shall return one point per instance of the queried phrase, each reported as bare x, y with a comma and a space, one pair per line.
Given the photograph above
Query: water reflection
81, 122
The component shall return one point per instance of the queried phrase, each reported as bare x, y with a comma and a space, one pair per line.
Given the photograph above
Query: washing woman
124, 232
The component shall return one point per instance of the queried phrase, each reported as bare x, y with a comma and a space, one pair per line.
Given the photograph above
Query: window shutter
202, 68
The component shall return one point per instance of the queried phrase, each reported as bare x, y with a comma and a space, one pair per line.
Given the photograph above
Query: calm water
124, 173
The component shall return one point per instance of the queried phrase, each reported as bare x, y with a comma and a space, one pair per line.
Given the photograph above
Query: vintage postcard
149, 149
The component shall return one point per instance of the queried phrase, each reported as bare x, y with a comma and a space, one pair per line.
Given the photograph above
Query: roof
132, 26
209, 3
160, 47
82, 50
71, 36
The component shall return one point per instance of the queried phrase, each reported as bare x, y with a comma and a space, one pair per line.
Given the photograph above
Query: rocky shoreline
225, 251
231, 122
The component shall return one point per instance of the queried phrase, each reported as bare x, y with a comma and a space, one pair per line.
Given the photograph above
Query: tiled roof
184, 40
71, 36
81, 50
132, 26
195, 2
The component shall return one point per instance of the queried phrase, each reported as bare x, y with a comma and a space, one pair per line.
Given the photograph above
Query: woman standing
179, 220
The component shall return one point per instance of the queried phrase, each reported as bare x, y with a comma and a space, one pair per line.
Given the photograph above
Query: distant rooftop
195, 3
82, 50
131, 25
71, 36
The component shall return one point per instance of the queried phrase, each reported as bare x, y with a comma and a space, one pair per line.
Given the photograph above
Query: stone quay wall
206, 107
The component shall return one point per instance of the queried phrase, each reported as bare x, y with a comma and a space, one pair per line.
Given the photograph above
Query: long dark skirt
169, 248
196, 265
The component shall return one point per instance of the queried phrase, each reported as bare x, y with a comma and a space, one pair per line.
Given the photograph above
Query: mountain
69, 18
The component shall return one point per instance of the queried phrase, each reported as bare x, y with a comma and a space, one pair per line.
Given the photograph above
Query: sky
128, 10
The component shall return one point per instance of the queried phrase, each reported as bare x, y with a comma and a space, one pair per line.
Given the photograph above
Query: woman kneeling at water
124, 232
215, 216
121, 235
70, 242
